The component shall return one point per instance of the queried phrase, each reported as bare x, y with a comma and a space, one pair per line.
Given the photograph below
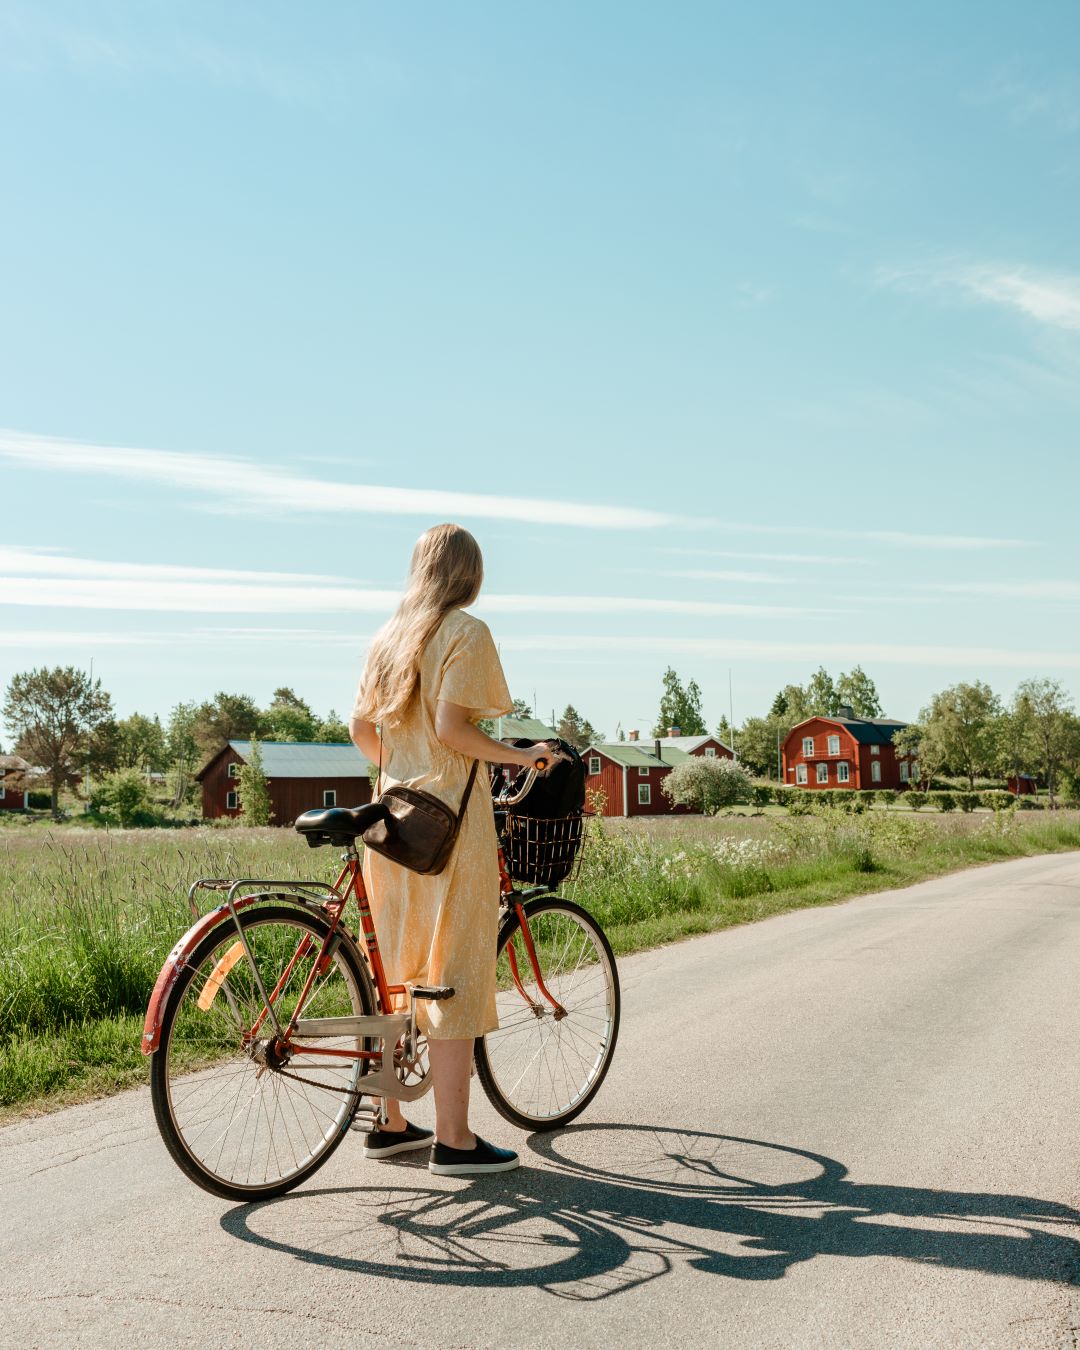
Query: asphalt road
854, 1126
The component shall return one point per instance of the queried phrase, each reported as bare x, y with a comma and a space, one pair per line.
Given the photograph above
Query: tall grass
87, 920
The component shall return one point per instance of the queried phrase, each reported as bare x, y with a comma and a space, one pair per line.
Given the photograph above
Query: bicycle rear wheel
542, 1067
230, 1115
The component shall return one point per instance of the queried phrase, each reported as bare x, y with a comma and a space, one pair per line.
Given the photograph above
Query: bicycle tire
363, 1000
582, 1039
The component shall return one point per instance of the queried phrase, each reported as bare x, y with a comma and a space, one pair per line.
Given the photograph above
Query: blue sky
742, 338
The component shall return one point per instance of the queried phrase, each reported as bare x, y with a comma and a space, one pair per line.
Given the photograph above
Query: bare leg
450, 1065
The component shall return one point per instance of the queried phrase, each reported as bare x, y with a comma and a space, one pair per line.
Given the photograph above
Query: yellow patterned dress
443, 929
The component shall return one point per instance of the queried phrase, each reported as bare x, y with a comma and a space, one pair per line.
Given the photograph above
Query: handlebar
541, 766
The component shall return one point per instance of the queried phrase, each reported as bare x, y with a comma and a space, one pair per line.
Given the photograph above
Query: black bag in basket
543, 830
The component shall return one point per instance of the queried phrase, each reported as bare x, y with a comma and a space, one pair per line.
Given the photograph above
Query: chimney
846, 710
674, 731
659, 756
633, 735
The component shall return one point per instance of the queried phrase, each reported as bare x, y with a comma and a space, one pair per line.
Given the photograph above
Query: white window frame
834, 745
231, 801
875, 749
330, 793
823, 771
800, 773
643, 771
3, 792
904, 771
710, 752
234, 770
594, 763
843, 772
808, 741
875, 771
644, 794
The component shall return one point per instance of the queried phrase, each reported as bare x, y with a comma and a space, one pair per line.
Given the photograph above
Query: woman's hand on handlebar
539, 757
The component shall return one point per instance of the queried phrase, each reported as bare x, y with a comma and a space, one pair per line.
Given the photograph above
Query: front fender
175, 963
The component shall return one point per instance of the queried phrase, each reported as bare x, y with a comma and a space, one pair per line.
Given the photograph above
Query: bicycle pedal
434, 992
366, 1119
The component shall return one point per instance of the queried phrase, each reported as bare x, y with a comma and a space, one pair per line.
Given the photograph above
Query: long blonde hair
446, 572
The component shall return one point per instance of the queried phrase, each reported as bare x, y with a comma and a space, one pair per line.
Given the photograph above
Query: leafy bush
998, 800
888, 795
800, 803
867, 795
707, 785
782, 795
39, 801
917, 800
1029, 804
944, 801
967, 801
761, 794
124, 798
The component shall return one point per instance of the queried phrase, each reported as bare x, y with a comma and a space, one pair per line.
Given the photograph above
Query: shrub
998, 800
39, 801
707, 785
917, 800
825, 797
967, 801
253, 791
849, 801
800, 803
124, 798
782, 795
1029, 804
888, 796
944, 801
761, 794
867, 796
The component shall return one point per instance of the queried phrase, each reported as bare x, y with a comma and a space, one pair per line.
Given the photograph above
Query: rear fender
181, 954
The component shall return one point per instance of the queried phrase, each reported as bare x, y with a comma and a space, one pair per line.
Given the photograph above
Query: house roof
13, 764
639, 753
522, 729
688, 743
302, 759
866, 730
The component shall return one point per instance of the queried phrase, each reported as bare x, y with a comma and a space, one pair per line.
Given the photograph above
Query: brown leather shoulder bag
419, 831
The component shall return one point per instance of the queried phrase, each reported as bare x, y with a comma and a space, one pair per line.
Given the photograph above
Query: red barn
14, 795
844, 752
301, 776
629, 775
1020, 784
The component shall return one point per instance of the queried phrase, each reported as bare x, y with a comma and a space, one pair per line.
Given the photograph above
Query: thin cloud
763, 557
1051, 298
959, 543
1022, 590
238, 485
713, 574
50, 562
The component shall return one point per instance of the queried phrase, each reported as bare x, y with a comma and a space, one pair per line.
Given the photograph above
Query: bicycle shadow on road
586, 1228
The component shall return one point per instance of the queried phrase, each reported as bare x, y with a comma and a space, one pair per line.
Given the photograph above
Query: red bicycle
272, 1029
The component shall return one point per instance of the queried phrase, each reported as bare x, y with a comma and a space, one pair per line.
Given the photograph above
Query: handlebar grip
541, 764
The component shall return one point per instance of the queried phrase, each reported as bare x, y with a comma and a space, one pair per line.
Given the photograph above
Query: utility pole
779, 761
88, 783
731, 714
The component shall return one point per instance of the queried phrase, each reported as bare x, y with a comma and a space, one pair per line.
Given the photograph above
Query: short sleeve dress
443, 929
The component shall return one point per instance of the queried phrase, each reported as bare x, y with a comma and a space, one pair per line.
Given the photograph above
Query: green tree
332, 730
182, 748
1047, 711
53, 715
822, 699
757, 745
228, 717
253, 789
859, 692
578, 731
680, 707
141, 744
521, 708
921, 743
963, 722
124, 797
289, 718
707, 785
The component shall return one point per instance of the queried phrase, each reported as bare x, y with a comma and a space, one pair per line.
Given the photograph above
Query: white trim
643, 770
800, 773
594, 759
843, 772
332, 793
3, 793
875, 749
832, 745
625, 791
808, 741
234, 769
823, 777
231, 805
875, 771
647, 799
904, 775
710, 752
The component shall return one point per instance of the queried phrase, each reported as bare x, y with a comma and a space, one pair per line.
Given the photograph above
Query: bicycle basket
542, 852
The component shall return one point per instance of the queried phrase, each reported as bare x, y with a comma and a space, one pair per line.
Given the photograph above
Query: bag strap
466, 794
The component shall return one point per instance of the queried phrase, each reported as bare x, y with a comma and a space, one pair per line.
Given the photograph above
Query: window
594, 763
3, 793
644, 794
903, 771
329, 797
875, 771
234, 770
808, 746
643, 771
834, 745
710, 752
875, 749
843, 773
230, 801
823, 773
800, 773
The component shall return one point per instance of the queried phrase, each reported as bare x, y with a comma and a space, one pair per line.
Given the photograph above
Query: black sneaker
385, 1143
459, 1162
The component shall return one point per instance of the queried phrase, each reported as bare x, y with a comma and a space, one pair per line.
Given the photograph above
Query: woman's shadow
584, 1227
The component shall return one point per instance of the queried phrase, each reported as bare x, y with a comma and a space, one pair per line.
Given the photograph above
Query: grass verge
86, 920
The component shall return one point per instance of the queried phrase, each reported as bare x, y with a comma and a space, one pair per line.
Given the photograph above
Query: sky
746, 339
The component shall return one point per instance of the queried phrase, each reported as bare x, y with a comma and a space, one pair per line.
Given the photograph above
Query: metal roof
307, 759
638, 753
522, 729
687, 743
866, 730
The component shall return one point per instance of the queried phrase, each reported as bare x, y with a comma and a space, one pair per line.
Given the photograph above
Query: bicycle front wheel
241, 1119
545, 1063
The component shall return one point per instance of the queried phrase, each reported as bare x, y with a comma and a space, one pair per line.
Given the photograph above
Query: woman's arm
365, 737
453, 728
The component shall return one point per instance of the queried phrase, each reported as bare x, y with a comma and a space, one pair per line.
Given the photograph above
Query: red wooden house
301, 776
14, 775
844, 752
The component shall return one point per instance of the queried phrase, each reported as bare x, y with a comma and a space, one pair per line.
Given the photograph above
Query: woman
431, 674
